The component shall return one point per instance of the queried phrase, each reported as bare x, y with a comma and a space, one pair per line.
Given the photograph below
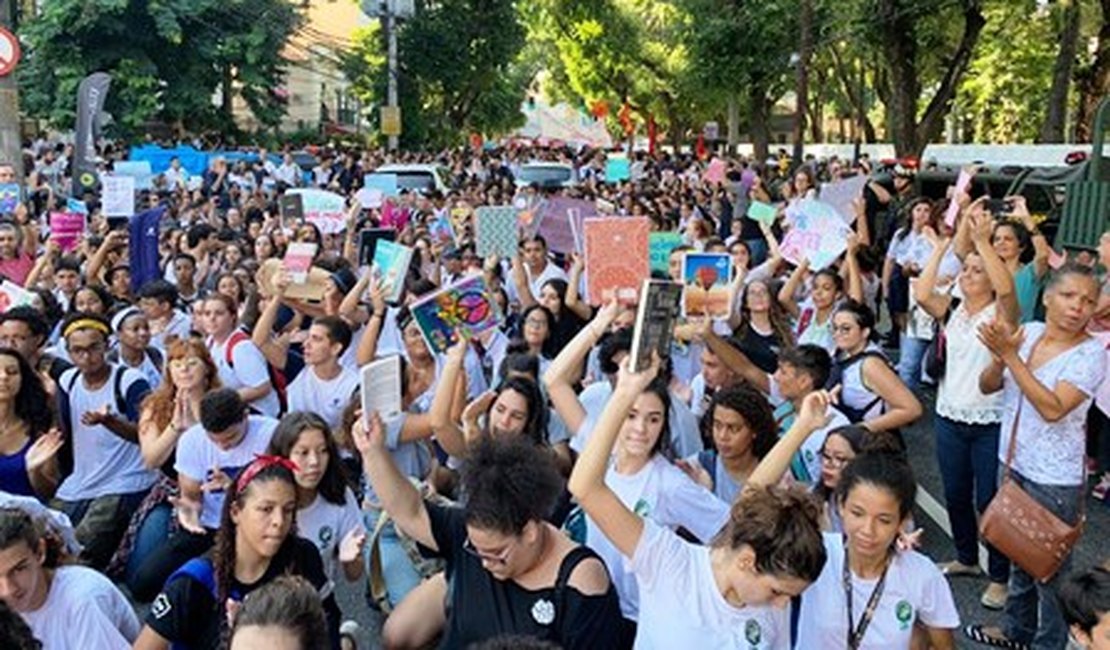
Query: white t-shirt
663, 493
83, 610
179, 325
1052, 453
681, 606
958, 395
103, 463
325, 524
249, 370
809, 454
915, 590
328, 398
809, 330
197, 456
685, 438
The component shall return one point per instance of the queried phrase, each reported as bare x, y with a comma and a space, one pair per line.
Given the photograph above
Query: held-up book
381, 387
291, 207
368, 242
464, 309
496, 231
707, 277
298, 258
655, 319
616, 251
391, 265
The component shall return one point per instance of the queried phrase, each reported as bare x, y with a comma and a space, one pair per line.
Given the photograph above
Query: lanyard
856, 637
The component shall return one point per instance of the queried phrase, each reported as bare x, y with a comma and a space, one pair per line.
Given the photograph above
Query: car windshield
544, 175
415, 180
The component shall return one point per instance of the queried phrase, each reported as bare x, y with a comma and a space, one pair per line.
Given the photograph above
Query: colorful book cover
291, 207
706, 276
616, 250
617, 169
391, 264
552, 219
368, 242
655, 319
661, 244
10, 194
496, 231
66, 228
298, 258
440, 229
464, 309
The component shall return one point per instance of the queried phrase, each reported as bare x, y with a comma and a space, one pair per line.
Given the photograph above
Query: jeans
155, 567
968, 458
100, 523
1032, 614
153, 532
398, 571
910, 353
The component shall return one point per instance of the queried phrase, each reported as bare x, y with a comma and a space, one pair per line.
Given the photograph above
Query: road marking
939, 515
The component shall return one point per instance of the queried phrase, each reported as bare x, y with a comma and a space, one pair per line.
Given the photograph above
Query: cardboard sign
66, 228
660, 245
464, 309
764, 213
617, 169
313, 287
818, 233
385, 183
326, 210
119, 196
706, 277
842, 193
616, 258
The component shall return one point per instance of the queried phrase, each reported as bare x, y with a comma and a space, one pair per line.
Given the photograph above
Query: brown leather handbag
1022, 529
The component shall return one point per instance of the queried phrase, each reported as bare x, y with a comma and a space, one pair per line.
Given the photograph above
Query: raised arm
444, 426
368, 344
587, 482
520, 281
851, 266
398, 496
44, 262
1002, 281
574, 301
736, 360
812, 416
935, 304
561, 374
111, 241
1041, 249
275, 349
790, 289
903, 408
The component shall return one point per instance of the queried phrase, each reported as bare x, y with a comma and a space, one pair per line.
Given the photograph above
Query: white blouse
959, 397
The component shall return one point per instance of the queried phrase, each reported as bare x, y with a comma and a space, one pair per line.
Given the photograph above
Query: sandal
955, 568
1102, 489
976, 634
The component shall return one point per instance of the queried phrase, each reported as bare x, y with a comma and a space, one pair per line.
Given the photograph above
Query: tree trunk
761, 136
733, 121
227, 104
1053, 128
817, 108
805, 23
1094, 82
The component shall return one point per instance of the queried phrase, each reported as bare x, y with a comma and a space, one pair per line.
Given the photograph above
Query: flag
652, 134
144, 230
91, 94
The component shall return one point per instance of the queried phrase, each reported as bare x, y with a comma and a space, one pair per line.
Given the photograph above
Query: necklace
855, 637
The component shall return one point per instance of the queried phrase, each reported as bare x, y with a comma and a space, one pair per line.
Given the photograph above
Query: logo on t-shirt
903, 611
161, 606
753, 633
643, 508
543, 611
326, 534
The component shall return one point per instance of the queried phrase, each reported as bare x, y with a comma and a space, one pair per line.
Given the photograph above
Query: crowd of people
185, 461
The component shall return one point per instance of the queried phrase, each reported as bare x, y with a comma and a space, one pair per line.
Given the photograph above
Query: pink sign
66, 228
715, 173
963, 181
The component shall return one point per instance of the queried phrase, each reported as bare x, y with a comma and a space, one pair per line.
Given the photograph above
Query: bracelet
377, 315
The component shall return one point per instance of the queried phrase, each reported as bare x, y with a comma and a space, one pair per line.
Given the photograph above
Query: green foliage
462, 70
166, 58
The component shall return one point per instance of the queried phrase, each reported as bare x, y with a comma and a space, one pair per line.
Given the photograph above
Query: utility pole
11, 150
391, 34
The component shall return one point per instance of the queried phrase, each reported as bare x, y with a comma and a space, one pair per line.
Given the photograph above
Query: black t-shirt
186, 612
481, 607
761, 349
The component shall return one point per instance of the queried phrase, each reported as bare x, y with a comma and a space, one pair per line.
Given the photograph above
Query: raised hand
350, 547
814, 413
188, 514
696, 473
368, 433
1000, 338
636, 382
218, 481
43, 449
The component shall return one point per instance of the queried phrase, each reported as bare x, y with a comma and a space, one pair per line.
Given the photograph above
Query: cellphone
1000, 207
118, 223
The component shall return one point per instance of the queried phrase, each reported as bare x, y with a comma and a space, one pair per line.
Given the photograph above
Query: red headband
261, 462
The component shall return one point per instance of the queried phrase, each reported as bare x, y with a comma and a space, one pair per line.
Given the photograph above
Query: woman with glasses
871, 392
508, 570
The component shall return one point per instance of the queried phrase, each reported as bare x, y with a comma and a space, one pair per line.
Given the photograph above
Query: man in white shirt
325, 386
98, 407
288, 172
175, 176
210, 456
157, 299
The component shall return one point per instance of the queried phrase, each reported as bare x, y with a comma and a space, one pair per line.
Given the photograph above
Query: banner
90, 102
327, 210
66, 228
818, 233
143, 233
140, 170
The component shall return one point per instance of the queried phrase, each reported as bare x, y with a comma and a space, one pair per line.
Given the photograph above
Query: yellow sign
391, 120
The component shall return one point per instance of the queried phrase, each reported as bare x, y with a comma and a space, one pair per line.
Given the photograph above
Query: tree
166, 59
461, 70
1093, 80
1053, 128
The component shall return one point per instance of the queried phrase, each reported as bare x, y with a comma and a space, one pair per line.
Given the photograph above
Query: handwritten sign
140, 170
119, 196
764, 213
66, 229
963, 181
326, 210
818, 234
370, 197
842, 193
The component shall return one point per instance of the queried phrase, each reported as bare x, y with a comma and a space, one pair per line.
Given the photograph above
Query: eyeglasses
95, 348
834, 461
500, 559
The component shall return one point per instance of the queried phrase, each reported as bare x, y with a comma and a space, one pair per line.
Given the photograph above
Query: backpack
277, 377
153, 353
836, 377
65, 455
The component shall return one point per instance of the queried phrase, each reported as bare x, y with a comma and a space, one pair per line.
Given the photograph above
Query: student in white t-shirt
66, 606
324, 386
813, 316
98, 407
732, 593
328, 513
239, 361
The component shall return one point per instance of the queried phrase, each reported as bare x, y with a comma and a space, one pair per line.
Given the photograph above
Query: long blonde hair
158, 406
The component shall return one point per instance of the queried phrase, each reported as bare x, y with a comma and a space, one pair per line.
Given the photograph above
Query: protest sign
76, 205
326, 210
370, 197
140, 170
842, 193
66, 228
715, 172
119, 196
616, 250
818, 233
617, 169
386, 183
764, 213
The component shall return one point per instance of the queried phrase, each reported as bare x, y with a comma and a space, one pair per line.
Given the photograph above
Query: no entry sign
9, 52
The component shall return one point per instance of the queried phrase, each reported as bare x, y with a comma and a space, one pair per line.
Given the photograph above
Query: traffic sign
9, 52
391, 120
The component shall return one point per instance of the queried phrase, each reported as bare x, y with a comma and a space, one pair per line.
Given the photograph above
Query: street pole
391, 34
11, 150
